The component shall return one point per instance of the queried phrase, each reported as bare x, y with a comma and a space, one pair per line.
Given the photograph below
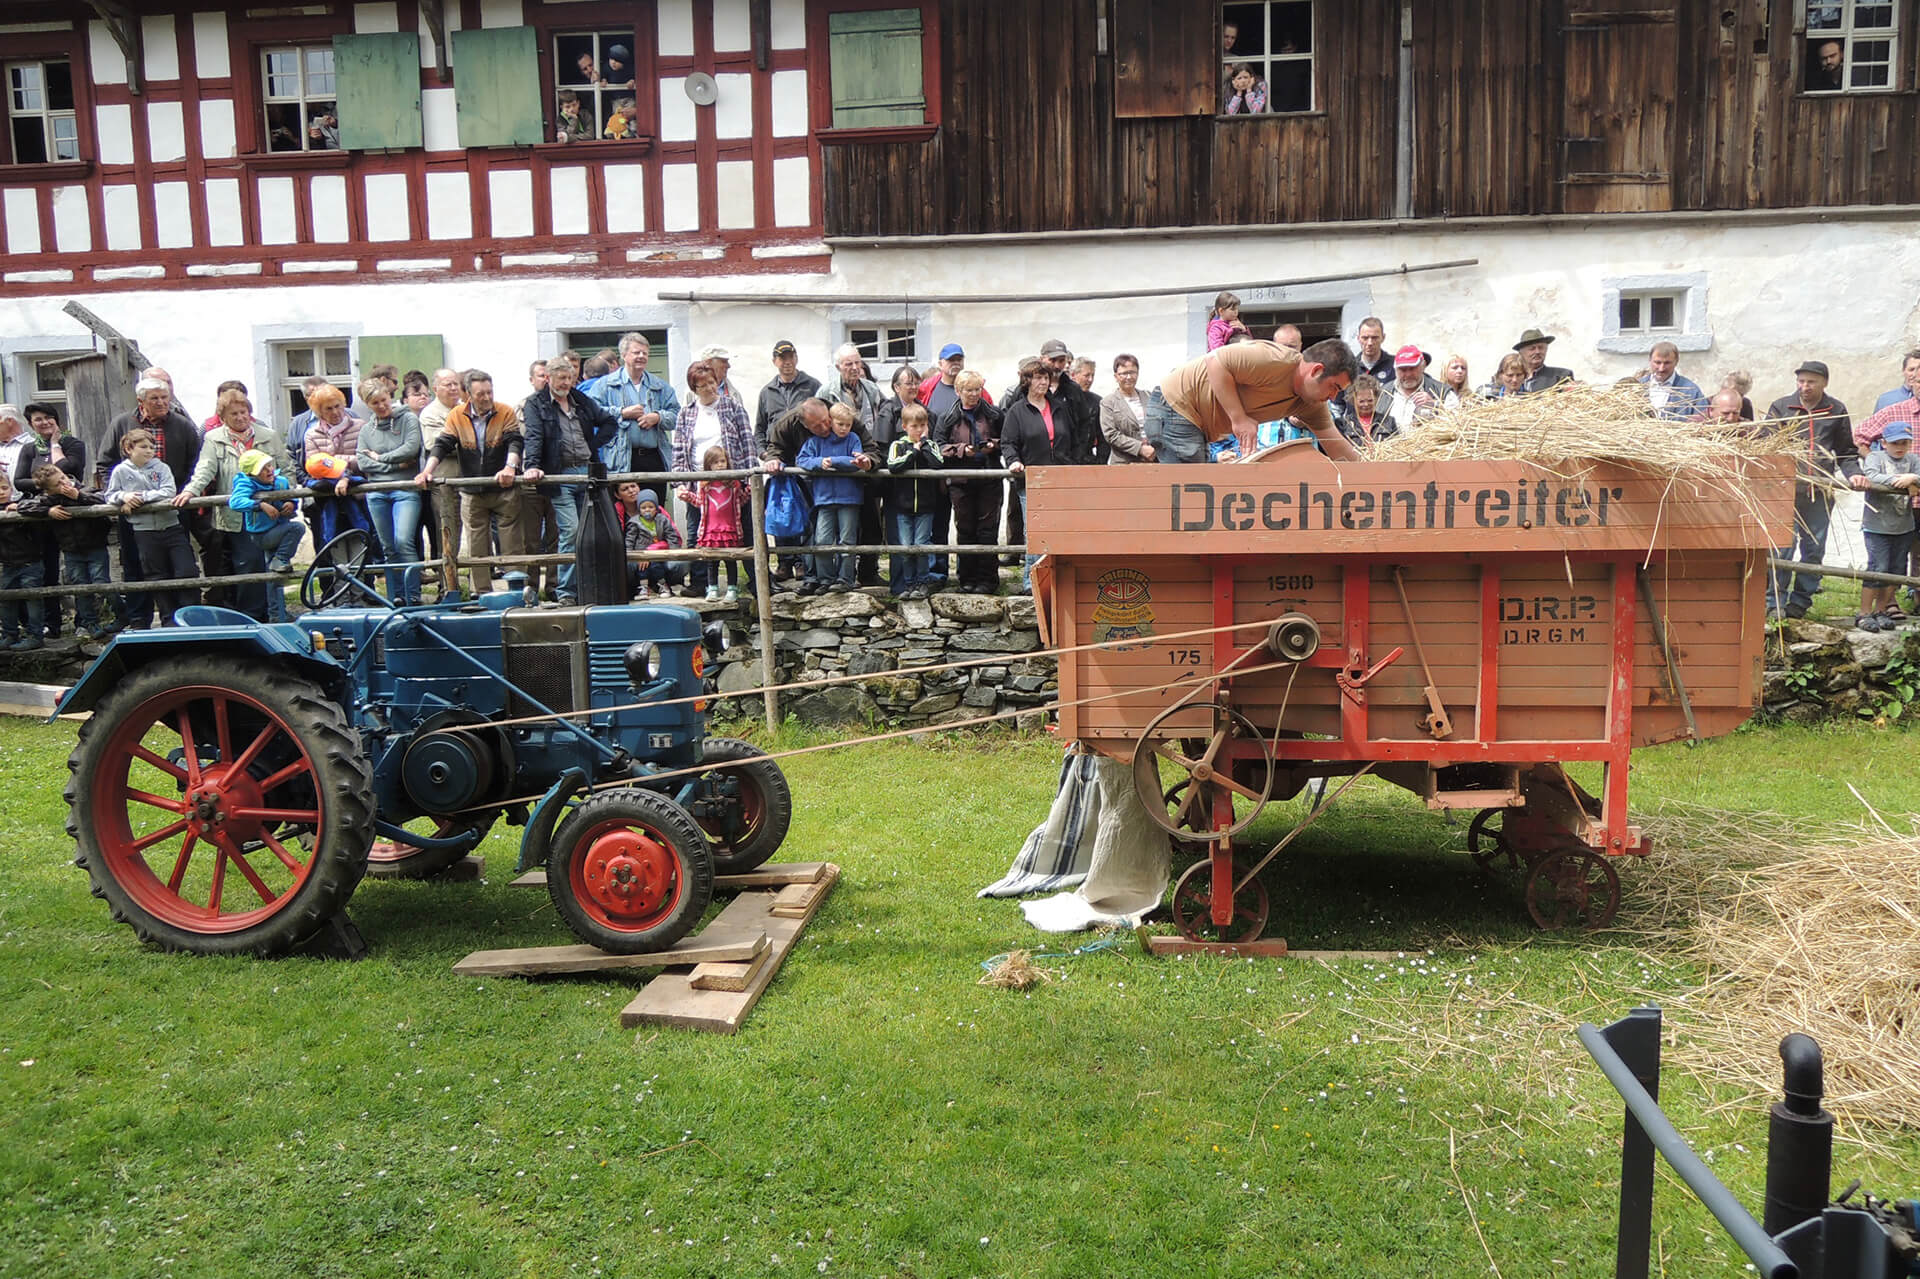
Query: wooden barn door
1622, 71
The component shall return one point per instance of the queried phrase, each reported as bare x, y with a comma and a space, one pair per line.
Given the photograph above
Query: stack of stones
1817, 672
891, 641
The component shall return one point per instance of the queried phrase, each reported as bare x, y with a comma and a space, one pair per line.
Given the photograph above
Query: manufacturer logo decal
1122, 606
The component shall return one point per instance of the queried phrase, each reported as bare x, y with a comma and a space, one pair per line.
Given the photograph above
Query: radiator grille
607, 665
545, 671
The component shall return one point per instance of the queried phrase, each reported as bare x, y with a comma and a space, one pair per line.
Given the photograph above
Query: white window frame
1645, 306
304, 99
1266, 61
286, 385
1691, 330
917, 319
50, 119
596, 100
1839, 16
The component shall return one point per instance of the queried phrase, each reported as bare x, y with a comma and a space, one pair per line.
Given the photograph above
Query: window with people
1850, 46
1266, 57
298, 94
594, 86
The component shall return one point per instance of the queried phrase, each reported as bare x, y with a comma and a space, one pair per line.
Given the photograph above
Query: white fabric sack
1122, 871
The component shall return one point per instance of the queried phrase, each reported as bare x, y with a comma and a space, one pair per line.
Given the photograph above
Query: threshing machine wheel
1573, 887
630, 872
336, 570
1193, 907
220, 808
1198, 777
744, 826
1487, 844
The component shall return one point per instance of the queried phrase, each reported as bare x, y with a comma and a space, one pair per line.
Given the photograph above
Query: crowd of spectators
896, 466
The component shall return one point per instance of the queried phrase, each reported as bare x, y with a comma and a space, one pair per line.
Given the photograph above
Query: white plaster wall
210, 56
166, 132
172, 215
216, 128
510, 195
733, 108
22, 208
676, 29
789, 104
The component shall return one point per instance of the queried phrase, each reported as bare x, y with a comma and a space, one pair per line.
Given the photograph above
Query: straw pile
1829, 944
1567, 429
1015, 971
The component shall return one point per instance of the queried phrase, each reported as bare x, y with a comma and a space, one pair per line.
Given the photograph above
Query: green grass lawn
881, 1113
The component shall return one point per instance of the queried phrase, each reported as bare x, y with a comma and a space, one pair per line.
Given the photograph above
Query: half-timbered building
297, 186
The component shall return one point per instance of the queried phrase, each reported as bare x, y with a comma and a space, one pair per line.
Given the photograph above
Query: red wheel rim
197, 843
625, 878
753, 811
1193, 908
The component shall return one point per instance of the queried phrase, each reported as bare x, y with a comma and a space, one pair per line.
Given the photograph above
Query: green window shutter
377, 79
425, 352
874, 62
497, 87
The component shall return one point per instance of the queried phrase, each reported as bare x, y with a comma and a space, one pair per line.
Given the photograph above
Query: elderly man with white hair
18, 455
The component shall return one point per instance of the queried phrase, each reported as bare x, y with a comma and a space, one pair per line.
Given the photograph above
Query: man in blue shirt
1673, 396
1909, 382
646, 406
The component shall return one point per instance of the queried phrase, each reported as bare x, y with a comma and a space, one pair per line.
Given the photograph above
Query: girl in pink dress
723, 504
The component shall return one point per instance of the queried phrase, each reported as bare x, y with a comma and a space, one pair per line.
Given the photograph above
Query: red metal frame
1610, 833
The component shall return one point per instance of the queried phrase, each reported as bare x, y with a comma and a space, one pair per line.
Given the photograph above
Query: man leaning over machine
1232, 389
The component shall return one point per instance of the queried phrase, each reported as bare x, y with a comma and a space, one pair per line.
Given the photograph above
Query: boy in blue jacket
269, 522
831, 460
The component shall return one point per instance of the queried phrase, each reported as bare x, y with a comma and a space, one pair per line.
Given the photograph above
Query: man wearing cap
1232, 389
788, 388
1413, 396
936, 390
1532, 347
722, 360
1672, 396
1829, 453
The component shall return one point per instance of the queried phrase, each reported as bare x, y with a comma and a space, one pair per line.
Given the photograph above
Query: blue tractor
229, 787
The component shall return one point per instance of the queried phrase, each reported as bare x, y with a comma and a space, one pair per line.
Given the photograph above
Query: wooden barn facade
260, 190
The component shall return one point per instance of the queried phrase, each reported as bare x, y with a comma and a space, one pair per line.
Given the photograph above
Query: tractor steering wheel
335, 571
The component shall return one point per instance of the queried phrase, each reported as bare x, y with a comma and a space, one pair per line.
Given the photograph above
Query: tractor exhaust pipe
1799, 1140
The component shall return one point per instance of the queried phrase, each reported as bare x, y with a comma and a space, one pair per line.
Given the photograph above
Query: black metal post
1636, 1037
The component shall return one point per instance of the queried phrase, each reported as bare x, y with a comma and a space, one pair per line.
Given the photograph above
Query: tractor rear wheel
751, 829
630, 872
220, 808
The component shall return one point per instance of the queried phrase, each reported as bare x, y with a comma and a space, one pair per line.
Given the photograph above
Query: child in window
649, 529
831, 458
83, 541
569, 128
143, 488
622, 124
1223, 322
271, 523
1247, 93
722, 506
914, 501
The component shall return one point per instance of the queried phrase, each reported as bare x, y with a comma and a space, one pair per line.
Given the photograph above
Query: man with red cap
1413, 396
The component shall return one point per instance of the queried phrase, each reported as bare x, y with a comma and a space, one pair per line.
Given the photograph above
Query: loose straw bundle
1828, 944
1568, 429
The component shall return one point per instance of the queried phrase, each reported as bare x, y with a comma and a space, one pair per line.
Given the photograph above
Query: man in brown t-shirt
1232, 389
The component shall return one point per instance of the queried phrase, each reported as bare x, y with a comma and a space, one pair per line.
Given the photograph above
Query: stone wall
869, 633
1817, 672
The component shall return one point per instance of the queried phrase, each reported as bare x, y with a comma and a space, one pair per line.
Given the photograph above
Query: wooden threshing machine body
1531, 595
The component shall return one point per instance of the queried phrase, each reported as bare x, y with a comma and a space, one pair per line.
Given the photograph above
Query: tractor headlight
643, 663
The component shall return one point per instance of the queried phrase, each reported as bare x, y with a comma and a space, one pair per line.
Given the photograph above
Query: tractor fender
243, 638
537, 844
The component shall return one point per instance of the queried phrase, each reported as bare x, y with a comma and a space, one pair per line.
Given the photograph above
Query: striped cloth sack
1056, 855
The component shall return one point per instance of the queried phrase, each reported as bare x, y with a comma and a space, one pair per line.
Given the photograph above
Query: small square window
298, 103
1266, 57
1850, 45
1648, 313
295, 362
40, 115
593, 77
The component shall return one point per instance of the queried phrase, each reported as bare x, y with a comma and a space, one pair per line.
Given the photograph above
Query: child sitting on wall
649, 529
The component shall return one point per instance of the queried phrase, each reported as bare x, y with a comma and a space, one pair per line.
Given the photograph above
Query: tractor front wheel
630, 872
220, 808
745, 805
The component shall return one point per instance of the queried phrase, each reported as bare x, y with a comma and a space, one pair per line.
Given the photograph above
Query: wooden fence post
763, 594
